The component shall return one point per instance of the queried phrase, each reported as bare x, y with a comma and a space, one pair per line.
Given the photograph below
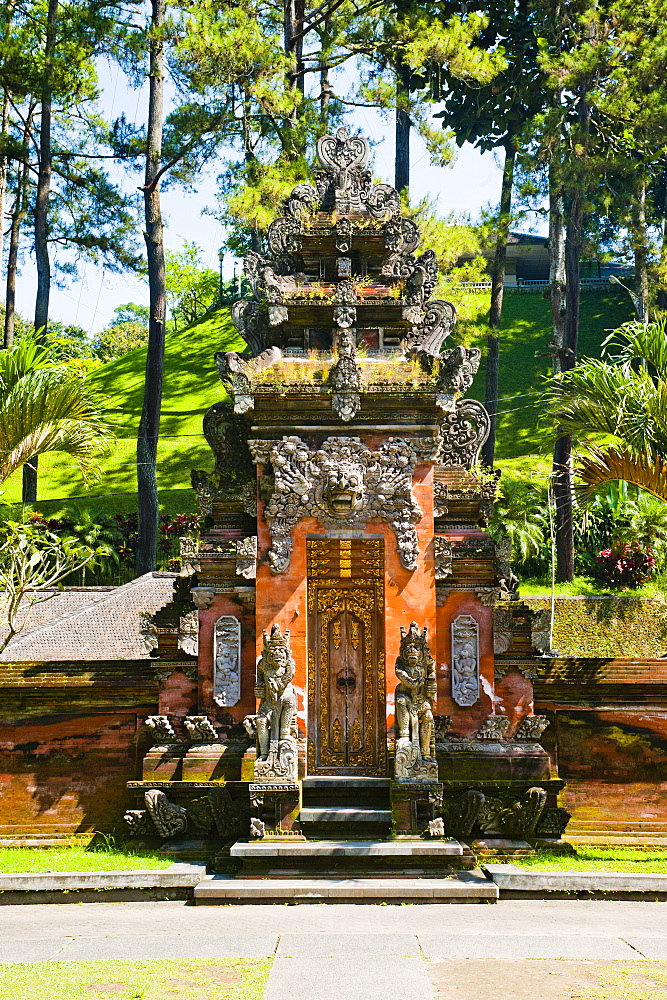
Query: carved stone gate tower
364, 662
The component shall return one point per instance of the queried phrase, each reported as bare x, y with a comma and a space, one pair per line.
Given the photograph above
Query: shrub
627, 566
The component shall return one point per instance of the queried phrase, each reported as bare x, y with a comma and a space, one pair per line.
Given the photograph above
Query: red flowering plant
627, 566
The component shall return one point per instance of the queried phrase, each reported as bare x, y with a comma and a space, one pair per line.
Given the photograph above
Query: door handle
350, 682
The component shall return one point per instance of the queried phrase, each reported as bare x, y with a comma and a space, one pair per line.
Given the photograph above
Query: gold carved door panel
346, 684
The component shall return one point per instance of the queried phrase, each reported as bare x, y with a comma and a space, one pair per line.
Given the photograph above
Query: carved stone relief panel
465, 660
227, 661
344, 484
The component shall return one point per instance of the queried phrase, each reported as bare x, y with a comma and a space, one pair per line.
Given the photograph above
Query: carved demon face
275, 659
342, 490
413, 654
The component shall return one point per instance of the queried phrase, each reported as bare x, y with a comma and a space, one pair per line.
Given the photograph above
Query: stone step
640, 827
600, 839
464, 887
345, 814
346, 848
368, 793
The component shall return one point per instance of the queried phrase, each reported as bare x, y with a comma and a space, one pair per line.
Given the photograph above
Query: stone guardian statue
414, 700
276, 744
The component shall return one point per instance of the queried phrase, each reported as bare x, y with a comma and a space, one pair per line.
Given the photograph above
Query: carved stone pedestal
411, 767
415, 805
274, 809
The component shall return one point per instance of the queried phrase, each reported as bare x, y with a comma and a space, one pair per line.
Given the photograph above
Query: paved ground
363, 952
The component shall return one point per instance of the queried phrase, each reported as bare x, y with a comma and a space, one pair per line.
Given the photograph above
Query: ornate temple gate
346, 670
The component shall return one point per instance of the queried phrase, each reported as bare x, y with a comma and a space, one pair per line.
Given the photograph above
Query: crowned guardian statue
276, 743
414, 700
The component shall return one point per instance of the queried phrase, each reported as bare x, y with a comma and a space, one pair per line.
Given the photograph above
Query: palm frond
51, 409
598, 466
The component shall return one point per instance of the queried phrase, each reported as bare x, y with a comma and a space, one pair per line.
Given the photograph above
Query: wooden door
346, 685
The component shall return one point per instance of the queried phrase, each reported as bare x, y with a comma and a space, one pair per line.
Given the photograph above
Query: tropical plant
616, 407
520, 513
47, 406
627, 566
33, 563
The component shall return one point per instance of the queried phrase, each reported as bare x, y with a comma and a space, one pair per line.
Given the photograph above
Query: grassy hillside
191, 385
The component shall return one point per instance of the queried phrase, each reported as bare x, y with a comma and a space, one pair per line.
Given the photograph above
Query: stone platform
289, 858
464, 887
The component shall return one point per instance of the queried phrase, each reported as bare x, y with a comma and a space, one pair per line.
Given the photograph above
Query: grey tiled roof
92, 623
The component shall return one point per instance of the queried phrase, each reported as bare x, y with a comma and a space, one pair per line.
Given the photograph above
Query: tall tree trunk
42, 216
495, 313
250, 161
149, 425
294, 11
573, 246
556, 264
4, 129
18, 215
640, 246
662, 290
402, 160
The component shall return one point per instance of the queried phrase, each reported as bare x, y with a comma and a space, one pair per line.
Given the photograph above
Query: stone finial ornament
414, 700
161, 729
200, 729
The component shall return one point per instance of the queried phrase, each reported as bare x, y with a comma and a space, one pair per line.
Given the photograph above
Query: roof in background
92, 623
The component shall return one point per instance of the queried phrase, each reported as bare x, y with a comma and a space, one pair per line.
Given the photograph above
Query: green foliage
607, 626
33, 561
599, 859
78, 857
119, 339
520, 512
623, 399
47, 406
191, 288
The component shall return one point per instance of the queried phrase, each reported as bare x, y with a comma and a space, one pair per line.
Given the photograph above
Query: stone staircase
346, 808
347, 854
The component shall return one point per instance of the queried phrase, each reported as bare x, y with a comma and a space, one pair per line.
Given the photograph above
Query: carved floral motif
199, 729
531, 728
169, 819
161, 729
443, 557
464, 430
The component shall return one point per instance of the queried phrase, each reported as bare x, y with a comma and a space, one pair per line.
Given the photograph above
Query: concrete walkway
358, 952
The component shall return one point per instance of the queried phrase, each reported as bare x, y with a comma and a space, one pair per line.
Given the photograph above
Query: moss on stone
607, 626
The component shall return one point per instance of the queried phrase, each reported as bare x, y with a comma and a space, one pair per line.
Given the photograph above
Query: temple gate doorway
346, 671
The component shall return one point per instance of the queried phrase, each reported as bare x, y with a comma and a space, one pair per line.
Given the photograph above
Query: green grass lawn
78, 858
191, 385
585, 586
599, 859
217, 979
